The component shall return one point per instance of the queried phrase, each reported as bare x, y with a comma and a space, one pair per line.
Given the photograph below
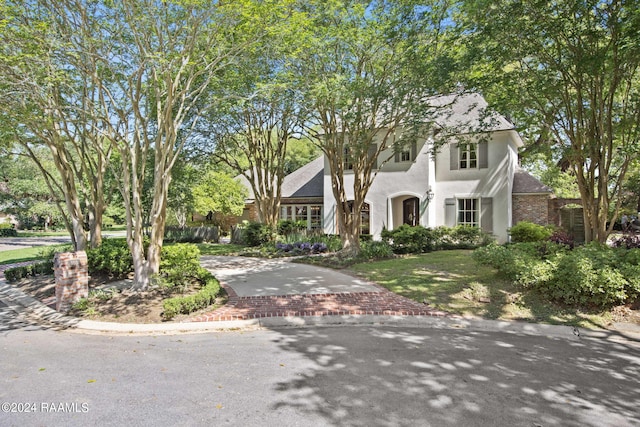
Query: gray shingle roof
308, 181
525, 183
467, 113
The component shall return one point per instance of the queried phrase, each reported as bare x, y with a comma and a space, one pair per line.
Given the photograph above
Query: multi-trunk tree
367, 74
568, 73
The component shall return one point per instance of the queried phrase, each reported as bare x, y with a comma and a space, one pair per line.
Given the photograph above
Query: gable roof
467, 113
306, 181
525, 183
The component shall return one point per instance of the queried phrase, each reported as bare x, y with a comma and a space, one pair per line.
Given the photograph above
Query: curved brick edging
383, 302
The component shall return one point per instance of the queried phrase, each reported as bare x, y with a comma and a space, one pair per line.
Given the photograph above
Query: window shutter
453, 156
450, 212
486, 214
483, 155
414, 150
397, 157
372, 153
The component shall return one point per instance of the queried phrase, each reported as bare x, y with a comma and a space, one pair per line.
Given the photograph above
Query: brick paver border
381, 302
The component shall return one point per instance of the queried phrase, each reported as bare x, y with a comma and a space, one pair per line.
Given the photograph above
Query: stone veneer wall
71, 271
531, 207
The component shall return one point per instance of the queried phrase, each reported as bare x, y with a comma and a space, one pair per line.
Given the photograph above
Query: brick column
72, 278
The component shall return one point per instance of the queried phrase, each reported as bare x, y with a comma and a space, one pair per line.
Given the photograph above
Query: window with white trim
468, 212
468, 156
310, 214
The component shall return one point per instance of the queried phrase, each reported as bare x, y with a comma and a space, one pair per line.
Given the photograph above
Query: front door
410, 211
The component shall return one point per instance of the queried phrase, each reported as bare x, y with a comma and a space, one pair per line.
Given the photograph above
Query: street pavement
355, 375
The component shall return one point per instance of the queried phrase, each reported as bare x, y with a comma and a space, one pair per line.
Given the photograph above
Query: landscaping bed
113, 301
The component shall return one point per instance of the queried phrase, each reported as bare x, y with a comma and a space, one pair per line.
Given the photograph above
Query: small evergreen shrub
188, 304
256, 234
409, 240
112, 257
7, 230
179, 263
526, 231
591, 275
17, 273
375, 250
588, 276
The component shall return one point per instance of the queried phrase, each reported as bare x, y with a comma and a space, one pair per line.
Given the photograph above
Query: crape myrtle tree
250, 131
47, 93
163, 57
567, 72
366, 74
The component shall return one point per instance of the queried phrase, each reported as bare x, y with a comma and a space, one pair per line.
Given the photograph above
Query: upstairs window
468, 156
347, 159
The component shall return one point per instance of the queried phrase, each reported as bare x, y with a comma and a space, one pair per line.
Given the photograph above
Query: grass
220, 248
27, 254
452, 281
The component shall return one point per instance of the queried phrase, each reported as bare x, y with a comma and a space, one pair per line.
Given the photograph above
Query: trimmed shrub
188, 304
7, 230
191, 234
409, 240
17, 273
112, 257
256, 234
526, 231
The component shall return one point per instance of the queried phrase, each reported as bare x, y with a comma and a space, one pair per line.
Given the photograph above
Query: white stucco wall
396, 182
495, 181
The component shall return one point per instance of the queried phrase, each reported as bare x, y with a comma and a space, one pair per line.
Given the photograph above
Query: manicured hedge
17, 273
188, 304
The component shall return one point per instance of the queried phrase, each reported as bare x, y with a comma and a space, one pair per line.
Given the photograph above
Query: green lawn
26, 254
452, 281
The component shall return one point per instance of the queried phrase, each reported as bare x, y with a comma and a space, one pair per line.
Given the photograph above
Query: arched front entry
411, 211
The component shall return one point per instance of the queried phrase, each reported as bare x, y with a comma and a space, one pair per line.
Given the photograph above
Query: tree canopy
568, 73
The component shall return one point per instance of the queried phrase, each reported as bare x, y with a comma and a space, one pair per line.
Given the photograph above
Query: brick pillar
72, 278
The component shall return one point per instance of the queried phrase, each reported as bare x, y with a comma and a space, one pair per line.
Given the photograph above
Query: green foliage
188, 304
219, 192
180, 263
591, 275
7, 230
17, 273
289, 226
256, 234
112, 257
374, 250
407, 239
526, 231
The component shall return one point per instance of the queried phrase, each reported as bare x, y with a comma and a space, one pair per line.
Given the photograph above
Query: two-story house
470, 179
